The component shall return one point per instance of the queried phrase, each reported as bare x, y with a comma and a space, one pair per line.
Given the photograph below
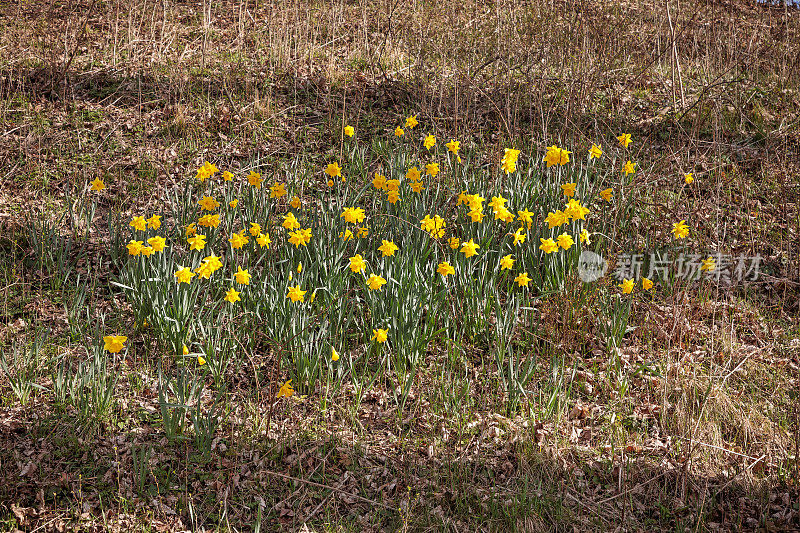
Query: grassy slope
141, 96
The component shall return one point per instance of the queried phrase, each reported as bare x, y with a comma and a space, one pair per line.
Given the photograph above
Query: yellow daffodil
575, 210
416, 186
242, 277
584, 236
353, 215
519, 237
379, 181
134, 247
445, 269
688, 178
629, 168
300, 237
277, 190
432, 169
333, 170
469, 248
565, 241
434, 226
227, 176
453, 146
380, 335
157, 243
647, 284
413, 174
387, 248
357, 263
507, 262
296, 294
454, 242
430, 141
201, 360
605, 194
595, 151
411, 122
263, 240
626, 286
624, 140
286, 390
290, 221
114, 343
548, 246
349, 131
147, 251
392, 197
398, 132
184, 275
97, 185
680, 230
569, 189
509, 162
138, 223
238, 240
295, 203
232, 295
375, 282
208, 203
522, 280
708, 265
334, 354
526, 217
209, 221
254, 179
556, 219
